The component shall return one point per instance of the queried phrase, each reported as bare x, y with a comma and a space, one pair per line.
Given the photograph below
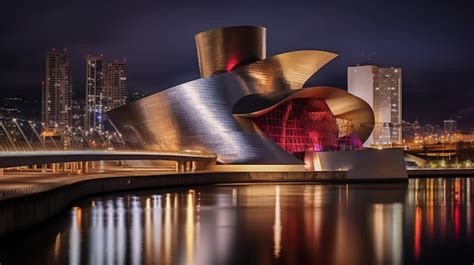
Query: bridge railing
27, 135
21, 135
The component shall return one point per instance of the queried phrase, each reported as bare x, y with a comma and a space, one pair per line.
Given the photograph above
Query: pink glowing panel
305, 124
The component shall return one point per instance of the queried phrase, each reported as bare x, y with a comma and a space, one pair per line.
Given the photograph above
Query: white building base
360, 164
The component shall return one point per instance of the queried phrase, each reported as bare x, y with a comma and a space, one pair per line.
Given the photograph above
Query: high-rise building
106, 86
94, 79
115, 84
56, 91
77, 113
382, 89
450, 126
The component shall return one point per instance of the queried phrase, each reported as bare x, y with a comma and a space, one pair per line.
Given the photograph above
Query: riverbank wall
22, 212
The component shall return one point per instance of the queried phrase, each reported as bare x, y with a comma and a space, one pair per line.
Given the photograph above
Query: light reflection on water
426, 221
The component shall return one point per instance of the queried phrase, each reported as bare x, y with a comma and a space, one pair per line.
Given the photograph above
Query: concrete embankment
22, 212
440, 173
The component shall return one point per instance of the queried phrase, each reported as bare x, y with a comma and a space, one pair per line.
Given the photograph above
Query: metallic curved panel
284, 71
197, 115
341, 103
226, 49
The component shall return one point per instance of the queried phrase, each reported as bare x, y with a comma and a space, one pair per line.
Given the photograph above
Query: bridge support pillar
74, 168
182, 166
1, 172
85, 167
44, 168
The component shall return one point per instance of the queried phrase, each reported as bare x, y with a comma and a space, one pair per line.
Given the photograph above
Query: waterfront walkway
23, 183
18, 184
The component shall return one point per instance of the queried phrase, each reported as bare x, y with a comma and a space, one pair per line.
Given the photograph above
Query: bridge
12, 159
80, 161
27, 143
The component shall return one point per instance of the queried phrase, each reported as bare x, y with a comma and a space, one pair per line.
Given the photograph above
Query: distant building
10, 107
450, 126
382, 89
56, 97
410, 130
77, 113
115, 84
134, 96
93, 101
106, 87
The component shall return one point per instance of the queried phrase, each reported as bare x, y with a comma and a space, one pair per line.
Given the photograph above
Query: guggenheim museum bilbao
250, 109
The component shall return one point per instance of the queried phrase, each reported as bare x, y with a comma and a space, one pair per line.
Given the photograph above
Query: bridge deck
12, 159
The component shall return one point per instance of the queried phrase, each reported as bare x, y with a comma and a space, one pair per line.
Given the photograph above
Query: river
424, 221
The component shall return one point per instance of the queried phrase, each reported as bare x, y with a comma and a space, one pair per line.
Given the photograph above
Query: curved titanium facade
342, 105
222, 50
199, 115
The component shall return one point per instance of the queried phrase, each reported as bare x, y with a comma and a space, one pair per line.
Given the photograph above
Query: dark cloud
432, 42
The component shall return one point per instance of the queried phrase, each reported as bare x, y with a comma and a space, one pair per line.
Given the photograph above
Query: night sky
432, 42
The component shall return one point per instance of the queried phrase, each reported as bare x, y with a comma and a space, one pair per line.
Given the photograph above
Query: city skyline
26, 106
433, 51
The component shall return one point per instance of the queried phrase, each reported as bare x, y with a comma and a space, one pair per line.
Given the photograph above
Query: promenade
24, 183
18, 184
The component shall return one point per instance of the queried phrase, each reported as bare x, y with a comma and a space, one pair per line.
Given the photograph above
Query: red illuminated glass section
307, 124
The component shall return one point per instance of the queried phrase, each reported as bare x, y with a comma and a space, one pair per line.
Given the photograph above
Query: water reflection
441, 210
387, 233
263, 224
277, 225
74, 237
120, 231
